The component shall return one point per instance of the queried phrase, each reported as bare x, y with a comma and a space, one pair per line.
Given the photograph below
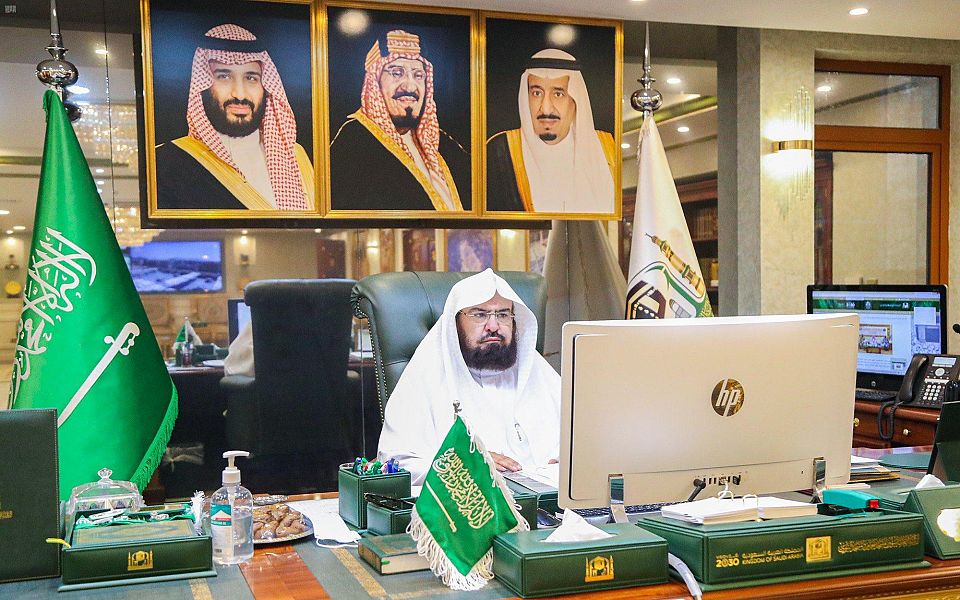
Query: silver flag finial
646, 99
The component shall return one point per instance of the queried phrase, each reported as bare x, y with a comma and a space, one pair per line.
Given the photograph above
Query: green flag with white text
84, 344
464, 504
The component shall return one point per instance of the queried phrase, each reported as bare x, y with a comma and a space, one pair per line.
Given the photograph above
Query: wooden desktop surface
278, 573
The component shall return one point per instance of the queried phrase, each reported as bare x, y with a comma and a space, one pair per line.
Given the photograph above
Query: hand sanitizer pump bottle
231, 516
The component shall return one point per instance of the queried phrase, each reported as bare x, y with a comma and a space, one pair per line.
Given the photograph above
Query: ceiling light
859, 11
824, 88
99, 190
317, 230
9, 232
243, 232
98, 170
78, 89
624, 145
100, 182
19, 227
101, 51
4, 212
683, 129
674, 81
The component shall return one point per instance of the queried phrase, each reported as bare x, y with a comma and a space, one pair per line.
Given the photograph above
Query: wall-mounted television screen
176, 266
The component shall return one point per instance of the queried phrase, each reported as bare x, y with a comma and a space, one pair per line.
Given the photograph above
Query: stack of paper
868, 469
771, 507
712, 511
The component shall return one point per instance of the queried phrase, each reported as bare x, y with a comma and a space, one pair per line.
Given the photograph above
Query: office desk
303, 571
913, 426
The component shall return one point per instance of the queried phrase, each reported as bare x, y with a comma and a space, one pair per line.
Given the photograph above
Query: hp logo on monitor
727, 397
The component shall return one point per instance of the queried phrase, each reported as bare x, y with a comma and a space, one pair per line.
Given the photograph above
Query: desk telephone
930, 380
926, 379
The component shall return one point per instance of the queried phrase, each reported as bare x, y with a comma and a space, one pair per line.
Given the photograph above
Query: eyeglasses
503, 317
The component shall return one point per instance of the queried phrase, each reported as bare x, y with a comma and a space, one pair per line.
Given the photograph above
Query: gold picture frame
564, 27
365, 14
207, 178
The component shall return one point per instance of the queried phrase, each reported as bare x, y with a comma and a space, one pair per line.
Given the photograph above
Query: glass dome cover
105, 494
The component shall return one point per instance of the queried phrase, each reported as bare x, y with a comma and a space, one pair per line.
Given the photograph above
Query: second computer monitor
896, 322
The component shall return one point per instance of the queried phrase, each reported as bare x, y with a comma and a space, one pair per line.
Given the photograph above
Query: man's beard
548, 136
217, 114
490, 357
407, 121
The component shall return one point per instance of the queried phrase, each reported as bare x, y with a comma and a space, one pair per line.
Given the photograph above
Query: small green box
733, 554
940, 508
528, 507
383, 521
521, 485
128, 551
532, 568
352, 487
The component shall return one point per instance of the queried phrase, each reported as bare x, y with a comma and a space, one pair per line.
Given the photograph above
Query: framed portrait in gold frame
470, 250
552, 91
230, 111
404, 111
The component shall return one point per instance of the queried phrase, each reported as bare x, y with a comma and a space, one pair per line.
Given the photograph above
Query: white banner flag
665, 279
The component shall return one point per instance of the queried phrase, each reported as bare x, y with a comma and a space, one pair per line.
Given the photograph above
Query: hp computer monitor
238, 315
896, 322
754, 400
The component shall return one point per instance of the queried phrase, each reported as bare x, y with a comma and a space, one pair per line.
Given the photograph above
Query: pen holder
352, 487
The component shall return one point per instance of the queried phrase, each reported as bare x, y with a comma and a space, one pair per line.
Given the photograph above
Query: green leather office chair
400, 309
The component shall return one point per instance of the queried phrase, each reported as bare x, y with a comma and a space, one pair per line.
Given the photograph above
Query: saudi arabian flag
665, 279
84, 345
464, 504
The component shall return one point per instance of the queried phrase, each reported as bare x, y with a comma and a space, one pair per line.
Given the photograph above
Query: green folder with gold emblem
760, 552
531, 567
132, 551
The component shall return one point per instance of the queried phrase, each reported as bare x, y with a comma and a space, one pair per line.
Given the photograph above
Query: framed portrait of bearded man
552, 89
403, 111
230, 92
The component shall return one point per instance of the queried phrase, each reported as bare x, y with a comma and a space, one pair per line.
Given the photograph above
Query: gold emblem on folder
818, 549
599, 568
139, 560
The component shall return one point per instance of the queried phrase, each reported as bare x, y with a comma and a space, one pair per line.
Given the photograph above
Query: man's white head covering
556, 185
421, 408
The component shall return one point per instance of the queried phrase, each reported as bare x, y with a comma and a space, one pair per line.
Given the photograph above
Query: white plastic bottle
231, 516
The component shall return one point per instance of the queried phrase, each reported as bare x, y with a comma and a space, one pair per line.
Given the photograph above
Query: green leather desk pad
801, 546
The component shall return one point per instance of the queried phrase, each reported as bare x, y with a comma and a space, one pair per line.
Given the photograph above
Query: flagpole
646, 99
58, 72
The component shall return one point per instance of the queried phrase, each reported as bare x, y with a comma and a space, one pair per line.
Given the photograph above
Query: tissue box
352, 487
532, 568
940, 508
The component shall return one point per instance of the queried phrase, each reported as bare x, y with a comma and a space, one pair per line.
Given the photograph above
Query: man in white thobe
479, 358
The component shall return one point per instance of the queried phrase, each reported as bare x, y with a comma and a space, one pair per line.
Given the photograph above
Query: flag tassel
151, 458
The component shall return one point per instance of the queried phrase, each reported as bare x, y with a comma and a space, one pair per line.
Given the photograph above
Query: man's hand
505, 463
